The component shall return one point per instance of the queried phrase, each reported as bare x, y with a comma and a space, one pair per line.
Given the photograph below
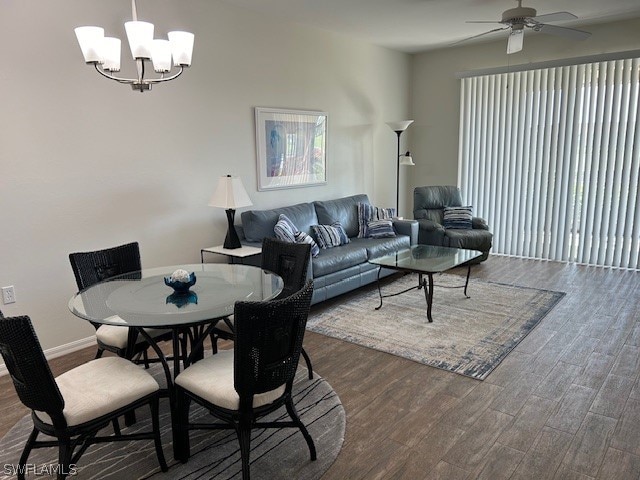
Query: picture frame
291, 148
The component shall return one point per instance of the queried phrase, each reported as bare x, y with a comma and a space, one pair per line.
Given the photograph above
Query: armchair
428, 209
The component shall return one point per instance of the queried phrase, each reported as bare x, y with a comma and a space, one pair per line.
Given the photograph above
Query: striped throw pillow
457, 217
302, 237
285, 230
368, 213
381, 229
329, 236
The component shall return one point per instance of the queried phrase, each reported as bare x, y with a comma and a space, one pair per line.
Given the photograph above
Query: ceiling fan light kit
516, 19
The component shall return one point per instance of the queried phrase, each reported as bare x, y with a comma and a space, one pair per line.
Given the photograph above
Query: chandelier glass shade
104, 52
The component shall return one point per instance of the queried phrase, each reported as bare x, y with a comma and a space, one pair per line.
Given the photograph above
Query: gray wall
86, 163
436, 91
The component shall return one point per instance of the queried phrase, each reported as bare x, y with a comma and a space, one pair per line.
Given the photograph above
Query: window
551, 157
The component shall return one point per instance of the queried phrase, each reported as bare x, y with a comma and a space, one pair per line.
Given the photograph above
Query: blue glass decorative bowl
181, 287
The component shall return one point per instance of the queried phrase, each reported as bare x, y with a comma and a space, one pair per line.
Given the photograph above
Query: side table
236, 255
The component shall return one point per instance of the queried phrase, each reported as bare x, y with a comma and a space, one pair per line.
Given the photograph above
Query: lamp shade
91, 40
181, 47
400, 126
230, 194
111, 49
161, 56
140, 36
406, 160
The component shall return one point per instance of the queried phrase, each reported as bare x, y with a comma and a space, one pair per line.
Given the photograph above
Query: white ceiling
419, 25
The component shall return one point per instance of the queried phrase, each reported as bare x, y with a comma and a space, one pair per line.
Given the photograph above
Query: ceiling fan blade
554, 17
479, 35
516, 40
563, 32
482, 21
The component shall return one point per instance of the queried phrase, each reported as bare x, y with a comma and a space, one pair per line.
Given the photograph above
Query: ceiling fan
516, 19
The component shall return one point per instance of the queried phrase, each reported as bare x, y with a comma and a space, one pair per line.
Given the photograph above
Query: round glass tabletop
141, 299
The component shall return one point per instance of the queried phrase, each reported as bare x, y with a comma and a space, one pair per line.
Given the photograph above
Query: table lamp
230, 194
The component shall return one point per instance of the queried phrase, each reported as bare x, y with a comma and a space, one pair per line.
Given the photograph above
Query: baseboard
61, 350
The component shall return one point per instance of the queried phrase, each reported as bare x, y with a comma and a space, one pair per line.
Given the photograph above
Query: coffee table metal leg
466, 284
428, 295
379, 291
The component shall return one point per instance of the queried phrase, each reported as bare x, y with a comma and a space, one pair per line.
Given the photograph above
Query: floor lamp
404, 159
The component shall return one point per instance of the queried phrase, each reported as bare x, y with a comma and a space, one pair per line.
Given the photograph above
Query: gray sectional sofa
340, 269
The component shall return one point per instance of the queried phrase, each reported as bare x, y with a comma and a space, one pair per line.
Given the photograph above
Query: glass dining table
141, 300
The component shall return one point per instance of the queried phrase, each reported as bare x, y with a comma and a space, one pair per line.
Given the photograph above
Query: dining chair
243, 384
92, 267
73, 407
291, 262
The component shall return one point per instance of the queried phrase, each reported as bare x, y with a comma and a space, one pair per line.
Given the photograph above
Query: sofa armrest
408, 228
479, 223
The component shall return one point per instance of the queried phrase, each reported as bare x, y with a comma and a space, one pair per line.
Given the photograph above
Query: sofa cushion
343, 210
377, 247
334, 259
258, 224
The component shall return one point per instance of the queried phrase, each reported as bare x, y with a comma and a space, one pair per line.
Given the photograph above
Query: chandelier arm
130, 81
113, 77
165, 79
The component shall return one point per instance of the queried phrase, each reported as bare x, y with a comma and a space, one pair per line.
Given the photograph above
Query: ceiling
419, 25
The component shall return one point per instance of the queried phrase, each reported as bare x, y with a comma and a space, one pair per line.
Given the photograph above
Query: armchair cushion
457, 217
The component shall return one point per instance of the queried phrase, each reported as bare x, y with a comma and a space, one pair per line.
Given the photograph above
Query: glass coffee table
425, 260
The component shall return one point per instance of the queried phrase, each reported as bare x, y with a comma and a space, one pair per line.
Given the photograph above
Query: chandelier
104, 52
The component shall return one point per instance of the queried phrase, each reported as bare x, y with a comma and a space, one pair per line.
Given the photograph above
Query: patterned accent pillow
457, 217
302, 237
285, 230
329, 236
368, 213
381, 229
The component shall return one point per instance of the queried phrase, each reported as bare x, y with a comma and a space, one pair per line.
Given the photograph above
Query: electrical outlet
8, 295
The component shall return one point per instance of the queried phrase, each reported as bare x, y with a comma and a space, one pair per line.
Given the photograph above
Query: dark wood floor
565, 404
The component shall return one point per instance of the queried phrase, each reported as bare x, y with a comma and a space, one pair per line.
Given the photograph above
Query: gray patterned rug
469, 336
275, 454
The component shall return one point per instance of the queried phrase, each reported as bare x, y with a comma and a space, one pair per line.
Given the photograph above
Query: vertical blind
551, 158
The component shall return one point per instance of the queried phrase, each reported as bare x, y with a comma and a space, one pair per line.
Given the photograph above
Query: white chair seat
116, 336
212, 380
99, 387
223, 327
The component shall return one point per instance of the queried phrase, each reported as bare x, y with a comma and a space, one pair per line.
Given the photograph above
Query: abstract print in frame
291, 148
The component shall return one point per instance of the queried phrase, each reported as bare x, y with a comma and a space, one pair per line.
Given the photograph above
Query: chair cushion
100, 387
469, 239
212, 380
457, 217
116, 336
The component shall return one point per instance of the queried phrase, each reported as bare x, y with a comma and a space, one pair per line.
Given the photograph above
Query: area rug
469, 336
275, 454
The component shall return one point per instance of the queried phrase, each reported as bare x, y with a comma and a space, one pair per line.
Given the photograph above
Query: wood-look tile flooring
565, 403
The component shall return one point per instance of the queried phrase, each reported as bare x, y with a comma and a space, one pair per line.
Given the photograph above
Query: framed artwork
291, 148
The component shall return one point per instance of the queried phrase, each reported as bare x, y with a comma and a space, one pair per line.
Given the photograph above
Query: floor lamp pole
398, 132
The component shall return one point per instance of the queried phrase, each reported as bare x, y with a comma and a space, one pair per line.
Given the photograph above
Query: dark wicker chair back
93, 267
268, 343
289, 260
28, 367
